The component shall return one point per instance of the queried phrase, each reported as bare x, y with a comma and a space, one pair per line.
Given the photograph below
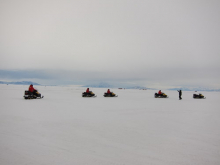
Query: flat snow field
133, 129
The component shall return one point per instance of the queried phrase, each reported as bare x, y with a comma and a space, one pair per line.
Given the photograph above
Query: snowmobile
32, 95
198, 96
163, 95
89, 94
111, 94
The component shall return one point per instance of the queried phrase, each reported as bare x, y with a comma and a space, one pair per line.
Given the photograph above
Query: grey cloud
152, 76
129, 41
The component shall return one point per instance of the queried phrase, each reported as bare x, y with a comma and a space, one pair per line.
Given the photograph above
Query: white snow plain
133, 129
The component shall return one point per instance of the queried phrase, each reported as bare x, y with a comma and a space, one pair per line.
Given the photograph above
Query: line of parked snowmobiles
91, 94
37, 95
156, 95
195, 96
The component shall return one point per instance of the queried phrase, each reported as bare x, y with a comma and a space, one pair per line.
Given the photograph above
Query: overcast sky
154, 43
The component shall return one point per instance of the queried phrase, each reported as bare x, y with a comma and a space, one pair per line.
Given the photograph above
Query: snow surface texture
132, 129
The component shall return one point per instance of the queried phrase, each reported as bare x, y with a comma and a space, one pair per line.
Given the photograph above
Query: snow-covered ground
134, 129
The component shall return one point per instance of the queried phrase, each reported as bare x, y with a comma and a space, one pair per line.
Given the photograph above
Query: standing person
180, 94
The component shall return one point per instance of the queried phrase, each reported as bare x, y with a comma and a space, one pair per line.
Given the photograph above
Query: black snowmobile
163, 95
32, 95
89, 94
111, 94
198, 96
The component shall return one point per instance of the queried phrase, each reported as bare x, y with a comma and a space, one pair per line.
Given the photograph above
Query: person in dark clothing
180, 94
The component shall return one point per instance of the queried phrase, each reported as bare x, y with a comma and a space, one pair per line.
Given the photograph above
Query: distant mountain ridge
19, 83
100, 85
140, 87
195, 89
106, 85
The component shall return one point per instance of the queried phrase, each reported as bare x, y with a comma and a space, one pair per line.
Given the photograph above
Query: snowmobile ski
111, 96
